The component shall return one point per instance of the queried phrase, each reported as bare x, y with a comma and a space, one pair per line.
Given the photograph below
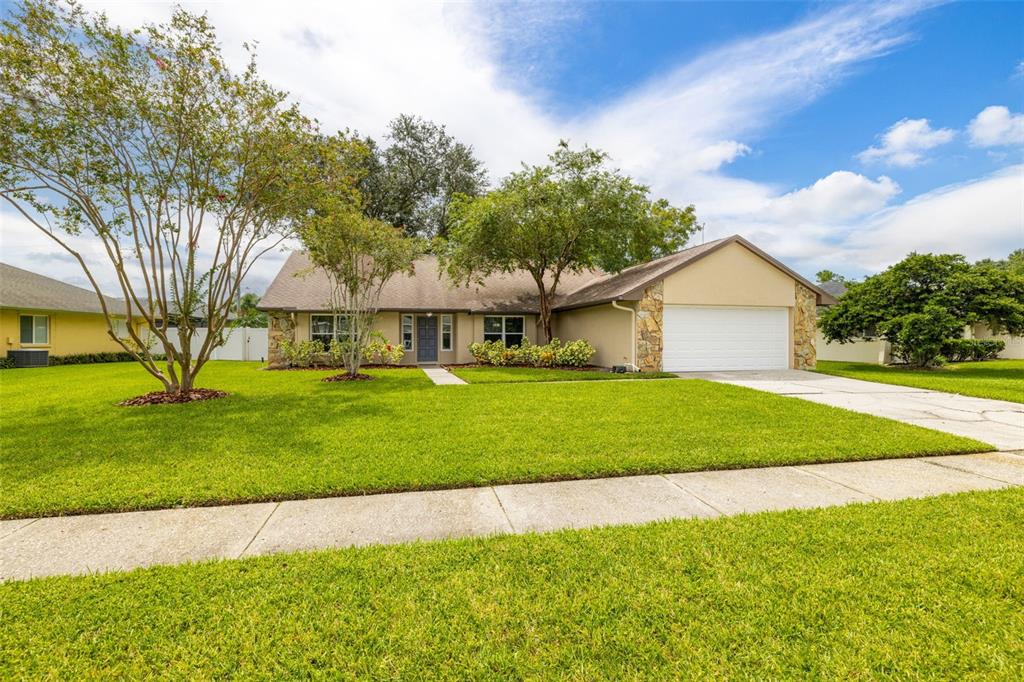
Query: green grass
512, 375
919, 589
68, 448
998, 379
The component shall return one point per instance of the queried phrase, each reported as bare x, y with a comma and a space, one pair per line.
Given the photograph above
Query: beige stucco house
722, 305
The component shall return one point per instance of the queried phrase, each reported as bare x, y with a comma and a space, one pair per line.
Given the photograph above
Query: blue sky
836, 136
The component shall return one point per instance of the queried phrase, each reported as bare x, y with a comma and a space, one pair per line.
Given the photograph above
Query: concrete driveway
997, 422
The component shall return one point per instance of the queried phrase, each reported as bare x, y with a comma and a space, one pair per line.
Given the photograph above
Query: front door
426, 339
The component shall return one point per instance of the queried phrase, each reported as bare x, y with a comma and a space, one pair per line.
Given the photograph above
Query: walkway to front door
426, 338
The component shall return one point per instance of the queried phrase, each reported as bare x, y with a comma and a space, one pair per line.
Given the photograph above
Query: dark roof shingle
31, 291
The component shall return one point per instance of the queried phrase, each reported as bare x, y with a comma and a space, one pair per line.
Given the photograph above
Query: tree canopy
177, 168
411, 182
572, 214
925, 299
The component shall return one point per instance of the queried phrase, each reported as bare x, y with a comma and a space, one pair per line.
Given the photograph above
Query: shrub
301, 354
575, 354
965, 350
92, 358
382, 352
917, 338
555, 354
6, 363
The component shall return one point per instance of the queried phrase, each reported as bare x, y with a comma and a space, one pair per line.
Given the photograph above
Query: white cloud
840, 196
905, 142
995, 126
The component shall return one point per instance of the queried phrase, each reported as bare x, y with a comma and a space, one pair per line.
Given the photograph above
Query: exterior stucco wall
875, 351
466, 329
70, 333
610, 331
733, 275
1014, 344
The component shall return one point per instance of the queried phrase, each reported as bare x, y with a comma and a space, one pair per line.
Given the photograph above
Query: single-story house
722, 305
879, 351
42, 313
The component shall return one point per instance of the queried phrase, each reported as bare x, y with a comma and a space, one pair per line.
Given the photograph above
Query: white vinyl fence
242, 343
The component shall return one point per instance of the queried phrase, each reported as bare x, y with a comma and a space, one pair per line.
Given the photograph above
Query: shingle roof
299, 286
833, 289
28, 290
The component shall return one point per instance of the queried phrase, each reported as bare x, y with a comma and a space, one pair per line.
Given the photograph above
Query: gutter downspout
632, 341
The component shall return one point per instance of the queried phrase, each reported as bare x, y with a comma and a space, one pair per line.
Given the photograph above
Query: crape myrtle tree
924, 300
412, 181
569, 215
359, 254
145, 144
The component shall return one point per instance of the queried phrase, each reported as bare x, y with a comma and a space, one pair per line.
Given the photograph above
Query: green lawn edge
508, 375
993, 379
911, 589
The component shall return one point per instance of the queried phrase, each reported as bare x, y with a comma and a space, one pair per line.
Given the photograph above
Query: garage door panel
706, 338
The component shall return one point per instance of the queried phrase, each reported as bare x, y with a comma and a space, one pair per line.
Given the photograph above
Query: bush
966, 350
917, 338
573, 354
92, 358
380, 351
6, 363
301, 354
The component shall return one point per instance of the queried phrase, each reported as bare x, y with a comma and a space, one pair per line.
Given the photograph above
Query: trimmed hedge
555, 354
968, 350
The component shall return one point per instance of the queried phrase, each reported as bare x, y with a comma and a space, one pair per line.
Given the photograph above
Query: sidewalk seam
504, 512
695, 496
20, 528
966, 471
259, 530
839, 483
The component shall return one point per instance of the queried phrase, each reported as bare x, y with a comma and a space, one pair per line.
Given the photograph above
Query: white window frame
335, 325
34, 341
409, 344
504, 332
446, 343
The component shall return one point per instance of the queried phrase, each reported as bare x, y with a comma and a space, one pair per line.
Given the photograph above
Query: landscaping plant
145, 147
924, 301
571, 215
573, 354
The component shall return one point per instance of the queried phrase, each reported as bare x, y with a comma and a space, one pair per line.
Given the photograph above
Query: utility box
29, 358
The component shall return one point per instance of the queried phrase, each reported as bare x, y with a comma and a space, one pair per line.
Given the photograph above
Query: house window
508, 329
323, 328
121, 329
407, 332
35, 329
446, 332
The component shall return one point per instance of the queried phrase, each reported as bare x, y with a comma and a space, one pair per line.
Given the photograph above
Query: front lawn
998, 379
68, 448
921, 589
508, 375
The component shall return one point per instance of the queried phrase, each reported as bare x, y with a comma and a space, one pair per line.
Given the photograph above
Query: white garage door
705, 338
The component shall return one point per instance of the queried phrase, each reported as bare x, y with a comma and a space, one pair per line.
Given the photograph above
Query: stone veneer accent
805, 356
649, 340
280, 327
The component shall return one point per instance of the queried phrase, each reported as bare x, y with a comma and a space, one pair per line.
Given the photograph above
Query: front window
323, 328
407, 332
35, 329
446, 332
508, 329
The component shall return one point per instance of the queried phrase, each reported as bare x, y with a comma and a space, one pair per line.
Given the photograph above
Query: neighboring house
41, 313
879, 351
721, 305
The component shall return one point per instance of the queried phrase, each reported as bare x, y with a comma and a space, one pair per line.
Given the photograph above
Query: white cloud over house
996, 126
904, 144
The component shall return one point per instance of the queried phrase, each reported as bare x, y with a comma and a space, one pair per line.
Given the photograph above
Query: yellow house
41, 313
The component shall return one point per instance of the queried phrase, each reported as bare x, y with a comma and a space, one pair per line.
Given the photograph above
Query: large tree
571, 214
411, 182
924, 300
148, 149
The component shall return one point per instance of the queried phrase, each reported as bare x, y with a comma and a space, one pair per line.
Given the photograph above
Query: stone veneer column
805, 322
649, 342
279, 328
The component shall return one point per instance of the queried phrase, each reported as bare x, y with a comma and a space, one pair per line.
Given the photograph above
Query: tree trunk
545, 314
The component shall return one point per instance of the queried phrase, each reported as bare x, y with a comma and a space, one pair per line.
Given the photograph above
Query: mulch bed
165, 398
347, 377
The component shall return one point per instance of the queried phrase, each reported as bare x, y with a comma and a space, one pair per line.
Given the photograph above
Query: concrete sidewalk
441, 376
997, 422
111, 542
